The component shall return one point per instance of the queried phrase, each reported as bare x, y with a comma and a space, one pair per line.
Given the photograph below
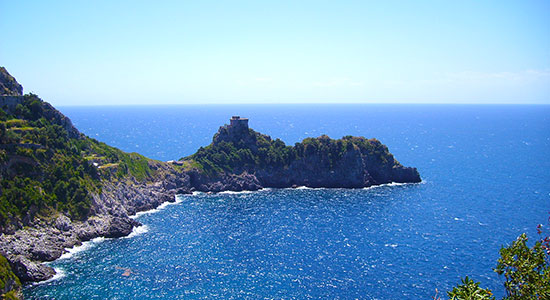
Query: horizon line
305, 104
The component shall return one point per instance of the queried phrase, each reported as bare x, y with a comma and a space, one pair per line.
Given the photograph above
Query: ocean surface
486, 180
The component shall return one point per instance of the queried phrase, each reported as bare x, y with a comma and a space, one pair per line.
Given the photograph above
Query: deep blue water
486, 180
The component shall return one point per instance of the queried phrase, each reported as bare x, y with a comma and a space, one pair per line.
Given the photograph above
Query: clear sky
183, 52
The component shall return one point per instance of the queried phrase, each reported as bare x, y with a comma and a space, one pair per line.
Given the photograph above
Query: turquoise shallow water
485, 182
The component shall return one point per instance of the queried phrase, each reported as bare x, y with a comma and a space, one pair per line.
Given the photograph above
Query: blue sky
188, 52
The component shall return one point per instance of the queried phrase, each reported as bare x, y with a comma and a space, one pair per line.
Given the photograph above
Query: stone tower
237, 122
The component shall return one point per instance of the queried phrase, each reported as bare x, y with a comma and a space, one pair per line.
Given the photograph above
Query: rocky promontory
240, 158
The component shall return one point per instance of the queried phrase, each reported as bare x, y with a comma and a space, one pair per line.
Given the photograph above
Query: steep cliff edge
240, 158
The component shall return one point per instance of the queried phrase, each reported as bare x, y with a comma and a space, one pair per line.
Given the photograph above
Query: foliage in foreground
470, 289
526, 271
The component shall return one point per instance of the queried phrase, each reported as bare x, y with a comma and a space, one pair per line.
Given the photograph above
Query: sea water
485, 181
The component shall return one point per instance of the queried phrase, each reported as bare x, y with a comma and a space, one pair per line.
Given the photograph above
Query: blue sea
486, 180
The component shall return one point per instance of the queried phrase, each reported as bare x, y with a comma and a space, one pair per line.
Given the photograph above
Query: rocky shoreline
48, 238
27, 249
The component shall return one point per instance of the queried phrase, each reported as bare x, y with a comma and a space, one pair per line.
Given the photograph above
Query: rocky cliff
8, 85
240, 158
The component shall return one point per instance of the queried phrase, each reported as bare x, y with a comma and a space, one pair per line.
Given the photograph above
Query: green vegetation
43, 168
9, 283
252, 150
525, 269
470, 290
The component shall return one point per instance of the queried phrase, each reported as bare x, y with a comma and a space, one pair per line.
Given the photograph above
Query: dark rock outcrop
28, 270
8, 85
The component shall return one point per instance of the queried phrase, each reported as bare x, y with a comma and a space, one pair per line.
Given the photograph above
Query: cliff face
10, 286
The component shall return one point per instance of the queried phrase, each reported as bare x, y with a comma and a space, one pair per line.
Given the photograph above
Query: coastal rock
63, 223
45, 252
225, 182
28, 270
120, 227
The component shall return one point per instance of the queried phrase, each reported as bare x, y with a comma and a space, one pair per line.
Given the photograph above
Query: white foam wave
83, 247
391, 245
137, 231
165, 204
59, 273
74, 250
195, 193
392, 184
235, 192
396, 184
154, 210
